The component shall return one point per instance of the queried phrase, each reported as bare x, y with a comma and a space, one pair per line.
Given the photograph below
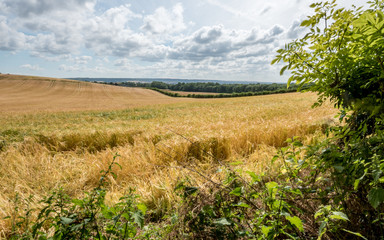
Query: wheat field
47, 143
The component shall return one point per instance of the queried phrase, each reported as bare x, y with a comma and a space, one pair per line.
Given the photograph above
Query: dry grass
30, 94
44, 150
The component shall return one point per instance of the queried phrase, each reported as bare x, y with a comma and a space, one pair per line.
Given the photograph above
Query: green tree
342, 54
342, 57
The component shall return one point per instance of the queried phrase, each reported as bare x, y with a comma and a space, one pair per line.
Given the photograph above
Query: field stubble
159, 145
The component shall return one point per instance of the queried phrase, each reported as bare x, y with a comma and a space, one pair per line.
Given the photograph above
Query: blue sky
199, 39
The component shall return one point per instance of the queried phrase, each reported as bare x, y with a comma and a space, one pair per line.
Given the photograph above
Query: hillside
29, 94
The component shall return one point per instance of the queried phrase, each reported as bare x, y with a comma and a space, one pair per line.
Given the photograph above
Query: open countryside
67, 142
29, 94
131, 160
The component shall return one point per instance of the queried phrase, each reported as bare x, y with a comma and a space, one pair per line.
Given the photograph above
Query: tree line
224, 90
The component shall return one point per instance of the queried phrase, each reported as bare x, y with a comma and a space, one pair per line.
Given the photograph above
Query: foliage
296, 204
344, 60
212, 87
61, 217
331, 189
222, 95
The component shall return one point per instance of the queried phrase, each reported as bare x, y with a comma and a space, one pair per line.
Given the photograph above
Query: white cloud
109, 34
295, 30
225, 44
82, 59
11, 39
165, 21
31, 67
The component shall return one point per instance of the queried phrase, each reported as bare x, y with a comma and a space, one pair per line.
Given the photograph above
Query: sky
189, 39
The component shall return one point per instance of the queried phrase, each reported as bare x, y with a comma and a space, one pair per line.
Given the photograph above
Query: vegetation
326, 184
202, 90
209, 87
221, 95
38, 158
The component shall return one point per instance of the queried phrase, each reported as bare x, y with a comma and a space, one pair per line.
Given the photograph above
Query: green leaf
255, 178
305, 23
338, 168
222, 221
271, 185
241, 204
296, 222
275, 61
283, 70
339, 215
322, 229
356, 184
319, 213
376, 197
142, 208
138, 218
66, 221
237, 191
265, 230
355, 233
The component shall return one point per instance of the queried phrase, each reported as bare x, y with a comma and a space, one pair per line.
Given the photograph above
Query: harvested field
30, 94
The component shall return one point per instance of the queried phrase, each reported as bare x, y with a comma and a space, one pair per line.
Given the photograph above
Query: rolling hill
29, 94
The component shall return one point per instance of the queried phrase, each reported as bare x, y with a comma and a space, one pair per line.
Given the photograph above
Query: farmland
29, 94
61, 133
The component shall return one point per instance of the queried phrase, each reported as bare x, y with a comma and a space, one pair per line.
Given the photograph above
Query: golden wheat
158, 144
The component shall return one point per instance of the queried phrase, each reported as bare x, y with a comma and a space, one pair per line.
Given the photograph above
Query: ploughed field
61, 133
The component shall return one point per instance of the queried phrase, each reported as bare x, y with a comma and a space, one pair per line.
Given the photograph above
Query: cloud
29, 8
109, 34
11, 39
295, 30
82, 59
208, 34
164, 21
31, 67
52, 44
76, 33
122, 62
265, 10
224, 44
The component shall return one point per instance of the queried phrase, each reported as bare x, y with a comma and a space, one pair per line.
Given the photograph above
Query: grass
43, 150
